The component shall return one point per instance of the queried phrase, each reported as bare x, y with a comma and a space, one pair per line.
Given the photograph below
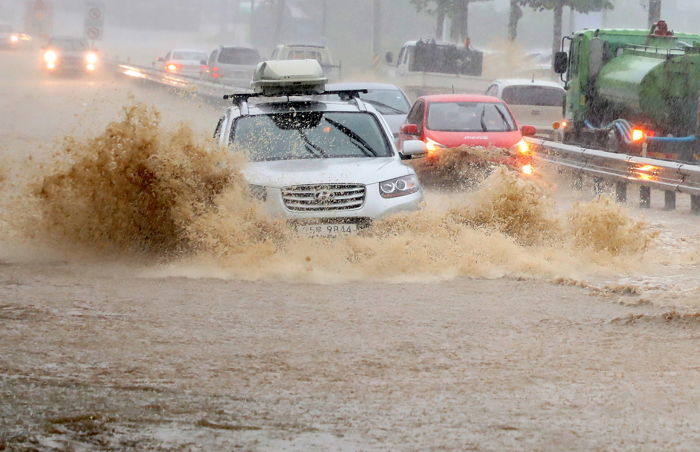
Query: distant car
231, 65
536, 102
389, 100
182, 62
11, 39
449, 121
69, 55
309, 52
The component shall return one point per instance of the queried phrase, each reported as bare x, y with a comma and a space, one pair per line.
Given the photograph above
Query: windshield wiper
357, 140
503, 117
376, 103
313, 149
483, 123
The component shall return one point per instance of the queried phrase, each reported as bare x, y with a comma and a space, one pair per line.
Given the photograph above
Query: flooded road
482, 336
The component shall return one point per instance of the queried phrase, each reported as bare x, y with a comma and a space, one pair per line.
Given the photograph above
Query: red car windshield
469, 117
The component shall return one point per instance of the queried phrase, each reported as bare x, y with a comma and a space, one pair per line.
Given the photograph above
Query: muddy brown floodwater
519, 316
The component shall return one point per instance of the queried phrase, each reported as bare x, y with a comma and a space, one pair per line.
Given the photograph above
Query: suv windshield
239, 56
469, 117
309, 135
540, 96
185, 55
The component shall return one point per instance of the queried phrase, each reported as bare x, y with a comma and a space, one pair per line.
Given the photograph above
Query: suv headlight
400, 186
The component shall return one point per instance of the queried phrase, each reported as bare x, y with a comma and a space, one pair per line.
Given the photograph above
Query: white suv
328, 167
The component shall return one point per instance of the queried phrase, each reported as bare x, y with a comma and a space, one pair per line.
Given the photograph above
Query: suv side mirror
413, 148
409, 129
561, 62
389, 57
528, 131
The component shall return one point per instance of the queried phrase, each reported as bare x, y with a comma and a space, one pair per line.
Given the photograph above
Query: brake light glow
171, 67
560, 125
646, 172
638, 135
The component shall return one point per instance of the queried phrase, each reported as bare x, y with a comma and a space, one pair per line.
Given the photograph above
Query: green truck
633, 92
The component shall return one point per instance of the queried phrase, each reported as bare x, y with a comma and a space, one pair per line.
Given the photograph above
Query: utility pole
279, 20
654, 12
324, 21
376, 28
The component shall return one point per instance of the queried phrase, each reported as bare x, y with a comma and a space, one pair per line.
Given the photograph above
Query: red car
453, 120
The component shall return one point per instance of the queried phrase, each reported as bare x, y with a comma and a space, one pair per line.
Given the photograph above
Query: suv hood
283, 173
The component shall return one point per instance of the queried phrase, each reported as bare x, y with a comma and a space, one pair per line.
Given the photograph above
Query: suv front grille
319, 198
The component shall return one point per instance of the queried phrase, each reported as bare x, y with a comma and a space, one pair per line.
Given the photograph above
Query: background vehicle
389, 100
430, 67
633, 91
182, 61
11, 39
69, 55
329, 167
231, 65
309, 52
536, 102
452, 120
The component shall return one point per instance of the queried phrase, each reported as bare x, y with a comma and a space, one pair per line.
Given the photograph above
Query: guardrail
671, 177
192, 85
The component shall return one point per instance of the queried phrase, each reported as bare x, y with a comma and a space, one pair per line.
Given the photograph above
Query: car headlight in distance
14, 38
91, 58
50, 56
258, 192
401, 186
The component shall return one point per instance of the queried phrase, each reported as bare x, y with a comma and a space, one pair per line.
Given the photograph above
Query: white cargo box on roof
289, 77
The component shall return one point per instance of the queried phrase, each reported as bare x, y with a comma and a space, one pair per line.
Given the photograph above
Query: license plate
326, 229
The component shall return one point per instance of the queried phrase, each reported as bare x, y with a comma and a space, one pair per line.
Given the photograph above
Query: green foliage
583, 6
451, 8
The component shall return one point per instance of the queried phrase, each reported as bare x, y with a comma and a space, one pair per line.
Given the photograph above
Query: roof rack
240, 100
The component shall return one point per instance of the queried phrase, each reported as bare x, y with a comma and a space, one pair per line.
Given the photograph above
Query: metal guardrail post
598, 185
669, 200
695, 204
621, 191
644, 197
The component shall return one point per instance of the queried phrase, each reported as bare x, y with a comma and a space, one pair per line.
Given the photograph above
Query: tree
456, 10
516, 13
557, 6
